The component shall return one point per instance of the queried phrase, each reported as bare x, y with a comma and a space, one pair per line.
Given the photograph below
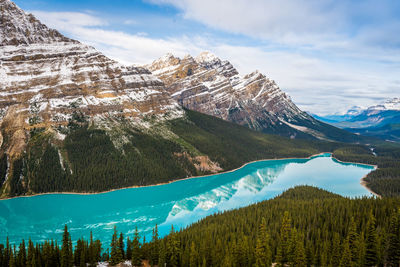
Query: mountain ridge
213, 86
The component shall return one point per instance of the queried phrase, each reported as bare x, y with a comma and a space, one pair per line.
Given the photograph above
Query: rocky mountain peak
389, 104
46, 79
18, 27
210, 85
392, 104
206, 57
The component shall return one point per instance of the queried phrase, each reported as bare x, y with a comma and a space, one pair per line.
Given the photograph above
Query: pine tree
82, 262
92, 252
121, 246
299, 253
263, 250
31, 254
154, 248
7, 252
284, 242
66, 250
336, 251
371, 253
173, 249
393, 250
346, 255
162, 255
136, 252
194, 256
353, 241
292, 245
227, 262
21, 258
116, 254
11, 262
128, 249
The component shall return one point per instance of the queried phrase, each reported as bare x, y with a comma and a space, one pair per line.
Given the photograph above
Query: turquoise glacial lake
180, 203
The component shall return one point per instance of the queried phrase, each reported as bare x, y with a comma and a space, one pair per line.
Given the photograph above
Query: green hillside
93, 158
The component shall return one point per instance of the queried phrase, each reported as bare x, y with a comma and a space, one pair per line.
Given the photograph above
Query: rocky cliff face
50, 83
212, 86
46, 78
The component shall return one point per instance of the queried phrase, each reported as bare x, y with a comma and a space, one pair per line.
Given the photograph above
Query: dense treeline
384, 181
305, 226
93, 160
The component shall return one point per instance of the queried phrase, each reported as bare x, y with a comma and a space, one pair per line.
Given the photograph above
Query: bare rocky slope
213, 86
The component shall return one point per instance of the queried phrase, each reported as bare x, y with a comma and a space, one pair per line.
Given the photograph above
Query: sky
328, 55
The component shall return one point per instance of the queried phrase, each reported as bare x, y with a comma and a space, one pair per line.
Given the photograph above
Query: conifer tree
7, 251
336, 251
82, 262
173, 249
136, 253
128, 249
92, 252
393, 250
299, 253
66, 249
11, 262
284, 242
162, 255
371, 251
21, 259
345, 261
154, 248
353, 241
116, 254
194, 256
31, 254
227, 261
121, 246
263, 250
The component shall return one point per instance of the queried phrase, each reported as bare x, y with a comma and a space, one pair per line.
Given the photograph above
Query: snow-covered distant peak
354, 111
206, 57
390, 104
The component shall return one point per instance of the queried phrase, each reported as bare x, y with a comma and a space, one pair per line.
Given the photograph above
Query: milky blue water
180, 203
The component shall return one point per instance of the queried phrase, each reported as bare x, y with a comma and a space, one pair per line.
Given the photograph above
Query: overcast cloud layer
327, 55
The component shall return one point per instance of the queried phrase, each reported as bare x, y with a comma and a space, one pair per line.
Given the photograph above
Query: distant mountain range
381, 120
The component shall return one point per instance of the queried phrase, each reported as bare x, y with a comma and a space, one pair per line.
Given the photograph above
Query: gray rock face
212, 86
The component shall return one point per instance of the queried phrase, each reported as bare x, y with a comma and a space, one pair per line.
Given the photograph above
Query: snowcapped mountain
382, 120
390, 104
379, 115
213, 86
46, 78
338, 117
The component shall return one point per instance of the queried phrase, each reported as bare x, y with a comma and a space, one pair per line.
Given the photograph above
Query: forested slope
92, 159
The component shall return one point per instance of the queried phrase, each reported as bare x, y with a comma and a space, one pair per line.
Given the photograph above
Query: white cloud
130, 22
315, 84
62, 20
284, 20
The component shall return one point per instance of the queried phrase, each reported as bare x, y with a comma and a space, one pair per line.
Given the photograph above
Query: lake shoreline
362, 181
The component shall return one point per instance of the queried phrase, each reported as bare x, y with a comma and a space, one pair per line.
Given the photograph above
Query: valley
184, 160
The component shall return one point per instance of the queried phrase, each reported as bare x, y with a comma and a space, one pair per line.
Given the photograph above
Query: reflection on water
180, 203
